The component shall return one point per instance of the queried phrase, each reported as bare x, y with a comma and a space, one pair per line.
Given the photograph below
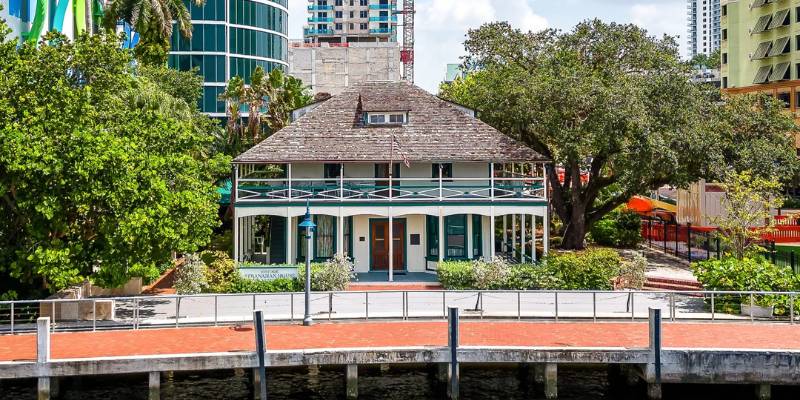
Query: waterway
394, 383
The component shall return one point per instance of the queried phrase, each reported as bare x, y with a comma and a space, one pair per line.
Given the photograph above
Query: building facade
704, 32
760, 49
395, 178
30, 19
332, 67
346, 21
231, 38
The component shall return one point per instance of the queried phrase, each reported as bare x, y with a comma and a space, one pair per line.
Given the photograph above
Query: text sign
267, 273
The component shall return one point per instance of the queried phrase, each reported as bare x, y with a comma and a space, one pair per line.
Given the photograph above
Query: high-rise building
704, 26
231, 38
759, 51
347, 21
30, 19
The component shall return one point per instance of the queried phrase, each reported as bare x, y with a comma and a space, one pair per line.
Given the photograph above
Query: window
363, 14
724, 82
477, 236
724, 34
338, 26
724, 10
377, 119
332, 171
386, 118
447, 171
363, 26
397, 118
785, 97
324, 239
432, 237
338, 3
348, 235
364, 2
455, 227
338, 14
724, 58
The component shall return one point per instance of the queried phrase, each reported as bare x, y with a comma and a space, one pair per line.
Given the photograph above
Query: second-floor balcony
253, 185
383, 18
312, 32
317, 7
381, 31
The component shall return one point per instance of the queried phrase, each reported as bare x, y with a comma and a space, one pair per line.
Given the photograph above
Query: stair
655, 283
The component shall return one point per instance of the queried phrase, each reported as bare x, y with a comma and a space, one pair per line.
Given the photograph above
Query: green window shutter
780, 72
761, 24
781, 46
763, 74
477, 236
781, 18
761, 50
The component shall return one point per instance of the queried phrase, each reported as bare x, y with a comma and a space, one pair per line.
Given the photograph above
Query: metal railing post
752, 304
791, 309
215, 310
712, 307
519, 305
366, 305
94, 315
291, 307
135, 313
177, 311
330, 305
404, 304
556, 304
633, 314
672, 306
444, 304
677, 234
689, 241
594, 306
12, 317
664, 225
708, 245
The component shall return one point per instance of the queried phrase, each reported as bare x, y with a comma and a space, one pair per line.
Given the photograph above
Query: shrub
531, 277
277, 285
632, 272
456, 275
334, 274
620, 228
190, 277
490, 275
592, 269
221, 272
747, 274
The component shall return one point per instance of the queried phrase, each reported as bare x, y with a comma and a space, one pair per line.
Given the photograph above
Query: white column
546, 232
469, 236
340, 244
533, 237
513, 235
491, 233
289, 258
235, 236
522, 238
505, 232
391, 245
441, 236
289, 180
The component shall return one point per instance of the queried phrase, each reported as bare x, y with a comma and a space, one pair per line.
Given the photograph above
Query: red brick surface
392, 334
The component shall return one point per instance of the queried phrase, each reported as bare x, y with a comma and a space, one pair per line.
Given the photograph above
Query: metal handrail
394, 304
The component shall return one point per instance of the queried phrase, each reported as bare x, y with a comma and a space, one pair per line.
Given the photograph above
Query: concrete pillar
391, 246
654, 391
551, 381
351, 375
763, 392
256, 384
43, 388
154, 385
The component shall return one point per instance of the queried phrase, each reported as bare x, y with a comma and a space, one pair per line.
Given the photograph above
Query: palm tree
152, 19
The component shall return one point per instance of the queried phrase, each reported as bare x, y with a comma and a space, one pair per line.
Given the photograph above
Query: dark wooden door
380, 245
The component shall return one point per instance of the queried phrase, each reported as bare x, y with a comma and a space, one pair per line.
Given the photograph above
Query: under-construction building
348, 21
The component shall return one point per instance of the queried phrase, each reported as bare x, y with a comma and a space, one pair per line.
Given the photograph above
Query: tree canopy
104, 170
611, 102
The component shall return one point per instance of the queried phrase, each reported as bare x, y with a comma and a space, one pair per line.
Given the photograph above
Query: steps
655, 283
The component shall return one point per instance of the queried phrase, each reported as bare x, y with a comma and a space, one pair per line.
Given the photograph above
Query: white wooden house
387, 154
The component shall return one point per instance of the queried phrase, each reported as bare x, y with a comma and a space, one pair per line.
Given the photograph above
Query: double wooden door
379, 232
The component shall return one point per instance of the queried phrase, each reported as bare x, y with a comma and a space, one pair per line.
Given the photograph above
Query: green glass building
231, 38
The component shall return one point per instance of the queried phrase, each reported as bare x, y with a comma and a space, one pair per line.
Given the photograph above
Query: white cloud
660, 19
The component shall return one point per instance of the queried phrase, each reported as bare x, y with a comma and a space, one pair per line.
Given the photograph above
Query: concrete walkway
402, 334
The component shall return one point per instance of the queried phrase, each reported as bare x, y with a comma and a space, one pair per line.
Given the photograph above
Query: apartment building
704, 33
347, 21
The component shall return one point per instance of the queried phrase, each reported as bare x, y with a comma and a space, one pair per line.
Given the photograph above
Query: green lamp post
309, 225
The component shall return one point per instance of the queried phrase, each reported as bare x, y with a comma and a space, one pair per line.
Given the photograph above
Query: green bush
531, 277
221, 272
456, 275
592, 269
190, 277
332, 275
748, 274
277, 285
620, 228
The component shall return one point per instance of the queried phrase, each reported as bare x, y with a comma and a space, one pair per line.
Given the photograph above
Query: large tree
103, 172
607, 101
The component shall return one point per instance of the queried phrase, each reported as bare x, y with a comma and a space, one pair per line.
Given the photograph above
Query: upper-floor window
386, 118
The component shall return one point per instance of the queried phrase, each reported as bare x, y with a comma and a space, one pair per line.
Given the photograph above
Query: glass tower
231, 38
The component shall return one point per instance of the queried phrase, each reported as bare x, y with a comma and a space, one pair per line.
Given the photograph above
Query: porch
411, 249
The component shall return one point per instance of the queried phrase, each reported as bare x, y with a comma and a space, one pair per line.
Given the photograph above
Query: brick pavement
395, 334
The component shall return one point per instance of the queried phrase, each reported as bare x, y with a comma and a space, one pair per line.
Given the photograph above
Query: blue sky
442, 24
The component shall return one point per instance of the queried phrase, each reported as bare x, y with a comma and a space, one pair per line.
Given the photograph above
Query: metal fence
176, 311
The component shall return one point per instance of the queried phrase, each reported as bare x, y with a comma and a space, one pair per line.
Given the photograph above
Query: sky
441, 25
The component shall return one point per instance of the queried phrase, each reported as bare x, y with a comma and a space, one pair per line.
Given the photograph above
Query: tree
608, 101
152, 20
103, 174
277, 93
703, 61
747, 203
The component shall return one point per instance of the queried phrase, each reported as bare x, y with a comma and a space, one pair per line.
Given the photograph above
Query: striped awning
781, 18
761, 24
761, 50
758, 3
763, 74
781, 46
779, 73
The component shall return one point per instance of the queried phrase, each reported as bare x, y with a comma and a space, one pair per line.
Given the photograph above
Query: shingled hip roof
436, 131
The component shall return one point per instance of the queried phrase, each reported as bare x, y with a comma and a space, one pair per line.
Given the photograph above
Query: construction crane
407, 52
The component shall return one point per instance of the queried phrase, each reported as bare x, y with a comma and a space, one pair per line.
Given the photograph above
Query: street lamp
309, 225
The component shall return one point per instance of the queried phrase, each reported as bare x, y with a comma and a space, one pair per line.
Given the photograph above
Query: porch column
469, 236
340, 244
289, 223
491, 233
546, 231
391, 246
505, 234
513, 235
441, 236
522, 238
533, 237
235, 236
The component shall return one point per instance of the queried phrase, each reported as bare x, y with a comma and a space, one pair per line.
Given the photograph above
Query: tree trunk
574, 236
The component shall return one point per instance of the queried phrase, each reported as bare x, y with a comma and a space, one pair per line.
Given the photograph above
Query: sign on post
268, 272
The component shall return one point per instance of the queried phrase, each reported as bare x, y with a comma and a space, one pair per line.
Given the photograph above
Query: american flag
401, 151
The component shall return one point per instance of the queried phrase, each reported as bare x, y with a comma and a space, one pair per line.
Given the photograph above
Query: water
396, 383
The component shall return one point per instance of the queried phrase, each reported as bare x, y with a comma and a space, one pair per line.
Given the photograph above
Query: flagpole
389, 211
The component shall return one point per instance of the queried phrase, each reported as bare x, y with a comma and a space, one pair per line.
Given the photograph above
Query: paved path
402, 334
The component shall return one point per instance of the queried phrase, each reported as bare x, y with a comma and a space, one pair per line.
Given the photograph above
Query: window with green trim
324, 238
432, 236
477, 236
455, 227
